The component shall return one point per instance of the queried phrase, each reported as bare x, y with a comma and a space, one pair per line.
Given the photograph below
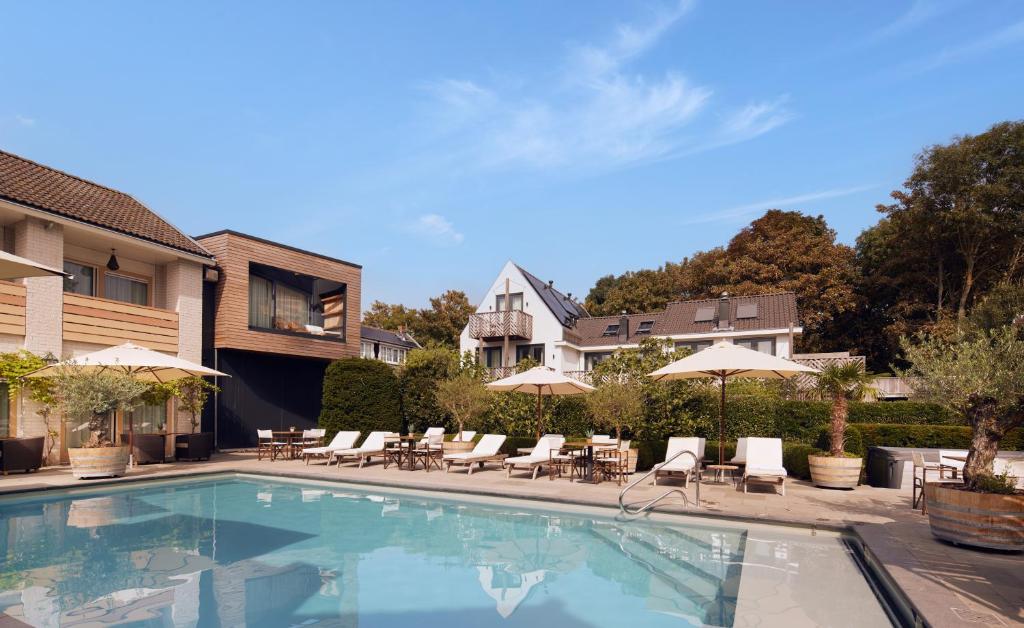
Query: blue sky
431, 142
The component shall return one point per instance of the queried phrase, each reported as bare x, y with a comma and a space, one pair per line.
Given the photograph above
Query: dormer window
611, 330
644, 327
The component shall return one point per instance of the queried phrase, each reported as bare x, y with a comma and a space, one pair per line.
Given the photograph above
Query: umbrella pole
131, 441
721, 425
538, 414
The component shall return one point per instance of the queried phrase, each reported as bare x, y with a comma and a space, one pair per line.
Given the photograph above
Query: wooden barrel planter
98, 462
451, 446
977, 519
833, 472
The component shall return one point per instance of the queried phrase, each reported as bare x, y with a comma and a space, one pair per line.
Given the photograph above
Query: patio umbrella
139, 362
540, 381
724, 360
14, 267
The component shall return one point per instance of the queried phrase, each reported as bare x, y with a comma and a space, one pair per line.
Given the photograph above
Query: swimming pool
251, 551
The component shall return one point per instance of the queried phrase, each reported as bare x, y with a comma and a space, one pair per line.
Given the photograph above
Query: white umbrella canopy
139, 362
723, 360
15, 267
540, 381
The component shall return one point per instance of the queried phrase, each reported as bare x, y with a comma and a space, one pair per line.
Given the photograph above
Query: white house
522, 315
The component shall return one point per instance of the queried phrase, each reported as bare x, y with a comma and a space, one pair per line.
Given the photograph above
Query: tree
439, 325
980, 376
465, 399
616, 403
193, 392
360, 395
91, 396
418, 379
840, 383
14, 367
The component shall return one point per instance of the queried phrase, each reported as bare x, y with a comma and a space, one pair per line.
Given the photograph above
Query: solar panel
705, 314
746, 310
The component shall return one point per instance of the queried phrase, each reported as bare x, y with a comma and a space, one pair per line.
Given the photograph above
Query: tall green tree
438, 325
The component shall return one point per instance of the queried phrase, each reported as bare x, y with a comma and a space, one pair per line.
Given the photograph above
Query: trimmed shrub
854, 441
931, 436
794, 459
362, 395
417, 380
903, 412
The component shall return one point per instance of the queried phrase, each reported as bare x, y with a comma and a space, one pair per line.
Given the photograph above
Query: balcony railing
892, 387
107, 322
581, 376
514, 324
12, 308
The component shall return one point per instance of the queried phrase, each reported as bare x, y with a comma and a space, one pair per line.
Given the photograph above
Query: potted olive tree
981, 376
192, 393
92, 397
466, 400
839, 383
617, 402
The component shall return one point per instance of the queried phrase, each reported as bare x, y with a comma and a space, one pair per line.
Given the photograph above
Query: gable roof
48, 189
774, 311
375, 334
565, 310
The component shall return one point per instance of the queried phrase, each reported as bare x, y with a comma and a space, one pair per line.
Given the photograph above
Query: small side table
720, 470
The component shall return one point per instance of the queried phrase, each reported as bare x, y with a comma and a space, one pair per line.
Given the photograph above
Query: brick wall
32, 239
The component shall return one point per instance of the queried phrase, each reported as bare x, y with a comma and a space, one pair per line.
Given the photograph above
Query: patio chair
487, 450
464, 436
562, 460
431, 453
372, 447
741, 452
948, 464
341, 440
764, 463
431, 431
683, 465
614, 463
917, 492
538, 456
266, 445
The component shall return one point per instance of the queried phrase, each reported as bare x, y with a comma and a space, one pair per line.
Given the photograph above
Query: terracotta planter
976, 519
833, 472
98, 462
451, 447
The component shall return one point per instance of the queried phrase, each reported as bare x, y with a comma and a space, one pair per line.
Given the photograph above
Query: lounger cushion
778, 471
527, 460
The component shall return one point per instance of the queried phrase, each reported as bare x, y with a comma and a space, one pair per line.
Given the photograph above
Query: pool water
255, 552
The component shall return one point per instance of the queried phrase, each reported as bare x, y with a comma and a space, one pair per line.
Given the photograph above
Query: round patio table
720, 470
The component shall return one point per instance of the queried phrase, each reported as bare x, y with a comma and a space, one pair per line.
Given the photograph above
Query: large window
492, 357
764, 345
127, 289
534, 352
147, 419
592, 359
515, 299
694, 345
393, 355
366, 350
82, 280
286, 301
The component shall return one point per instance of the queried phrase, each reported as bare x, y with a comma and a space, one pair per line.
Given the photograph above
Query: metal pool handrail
627, 508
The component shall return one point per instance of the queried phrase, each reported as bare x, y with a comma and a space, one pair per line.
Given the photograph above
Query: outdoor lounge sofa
341, 440
539, 456
372, 447
764, 463
487, 450
21, 454
683, 465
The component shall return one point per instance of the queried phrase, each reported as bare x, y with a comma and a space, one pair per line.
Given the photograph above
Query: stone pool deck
947, 585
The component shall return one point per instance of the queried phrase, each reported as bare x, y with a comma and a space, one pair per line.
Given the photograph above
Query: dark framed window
764, 345
592, 359
644, 327
535, 352
285, 301
695, 345
492, 357
82, 280
611, 330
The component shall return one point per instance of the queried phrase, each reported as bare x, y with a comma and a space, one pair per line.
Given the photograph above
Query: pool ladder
628, 509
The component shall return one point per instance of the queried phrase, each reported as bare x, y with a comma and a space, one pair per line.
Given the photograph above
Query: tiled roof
565, 309
774, 311
374, 334
41, 187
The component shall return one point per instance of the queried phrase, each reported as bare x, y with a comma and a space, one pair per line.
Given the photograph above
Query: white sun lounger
539, 456
741, 452
431, 431
684, 465
372, 446
341, 440
764, 463
487, 450
464, 436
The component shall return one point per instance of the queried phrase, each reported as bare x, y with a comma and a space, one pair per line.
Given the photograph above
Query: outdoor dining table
588, 455
409, 457
289, 437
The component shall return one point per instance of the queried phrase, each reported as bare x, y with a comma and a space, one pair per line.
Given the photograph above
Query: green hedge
360, 395
933, 436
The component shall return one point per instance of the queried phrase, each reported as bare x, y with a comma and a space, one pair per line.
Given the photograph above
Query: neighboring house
521, 316
136, 278
387, 346
276, 317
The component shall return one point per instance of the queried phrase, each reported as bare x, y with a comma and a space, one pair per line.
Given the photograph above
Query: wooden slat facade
106, 322
12, 308
234, 252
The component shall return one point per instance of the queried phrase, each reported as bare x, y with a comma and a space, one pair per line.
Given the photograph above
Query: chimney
551, 284
723, 312
623, 327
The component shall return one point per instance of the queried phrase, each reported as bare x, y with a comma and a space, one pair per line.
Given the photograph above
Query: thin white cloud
749, 209
437, 229
24, 120
596, 114
919, 13
1012, 34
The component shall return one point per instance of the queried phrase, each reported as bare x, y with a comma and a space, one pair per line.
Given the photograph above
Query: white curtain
260, 302
292, 305
126, 289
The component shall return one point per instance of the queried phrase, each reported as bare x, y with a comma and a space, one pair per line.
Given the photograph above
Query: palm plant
839, 383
